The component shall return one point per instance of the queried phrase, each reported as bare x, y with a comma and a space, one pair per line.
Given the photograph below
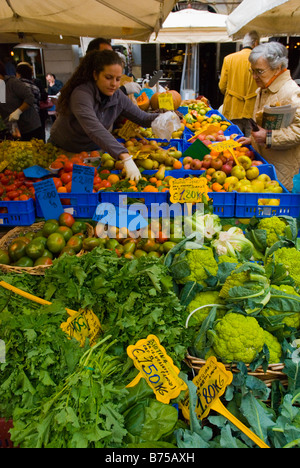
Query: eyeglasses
258, 72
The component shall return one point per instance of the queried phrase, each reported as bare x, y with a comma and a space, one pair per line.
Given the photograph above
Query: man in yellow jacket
238, 86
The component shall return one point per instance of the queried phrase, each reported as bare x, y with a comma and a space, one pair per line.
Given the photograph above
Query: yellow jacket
284, 153
238, 85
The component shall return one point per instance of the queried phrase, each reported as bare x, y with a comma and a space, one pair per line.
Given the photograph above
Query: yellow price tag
225, 145
154, 365
189, 190
211, 383
129, 129
82, 325
165, 101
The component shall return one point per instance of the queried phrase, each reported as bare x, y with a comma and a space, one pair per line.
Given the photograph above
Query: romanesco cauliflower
200, 260
290, 258
274, 228
205, 298
274, 347
227, 259
237, 338
248, 285
292, 318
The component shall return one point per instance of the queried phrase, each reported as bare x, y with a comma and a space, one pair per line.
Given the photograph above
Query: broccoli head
202, 264
290, 258
274, 347
205, 298
274, 227
237, 338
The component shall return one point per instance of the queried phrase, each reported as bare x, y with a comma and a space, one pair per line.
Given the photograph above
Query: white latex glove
132, 88
15, 115
131, 169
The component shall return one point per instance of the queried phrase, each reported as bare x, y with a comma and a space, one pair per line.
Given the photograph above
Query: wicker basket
6, 240
274, 371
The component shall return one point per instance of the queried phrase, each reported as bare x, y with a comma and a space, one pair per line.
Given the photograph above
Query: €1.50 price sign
189, 190
154, 365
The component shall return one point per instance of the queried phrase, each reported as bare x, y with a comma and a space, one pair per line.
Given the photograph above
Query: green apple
239, 172
219, 176
245, 189
245, 162
264, 177
252, 172
231, 183
272, 183
258, 185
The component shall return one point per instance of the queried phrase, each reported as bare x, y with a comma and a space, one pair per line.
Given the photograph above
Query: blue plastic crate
81, 205
223, 203
19, 213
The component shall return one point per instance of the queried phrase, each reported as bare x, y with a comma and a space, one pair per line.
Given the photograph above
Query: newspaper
278, 117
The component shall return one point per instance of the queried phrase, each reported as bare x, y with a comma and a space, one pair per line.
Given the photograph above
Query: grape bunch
23, 154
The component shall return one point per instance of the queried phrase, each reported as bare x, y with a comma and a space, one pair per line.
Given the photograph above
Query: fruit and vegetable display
207, 288
230, 296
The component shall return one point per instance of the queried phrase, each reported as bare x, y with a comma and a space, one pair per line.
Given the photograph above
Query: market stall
134, 313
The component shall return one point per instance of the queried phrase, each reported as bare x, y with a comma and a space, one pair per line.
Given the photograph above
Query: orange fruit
177, 164
150, 188
62, 190
216, 187
113, 178
132, 182
153, 180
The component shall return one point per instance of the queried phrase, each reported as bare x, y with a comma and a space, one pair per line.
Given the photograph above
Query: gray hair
275, 53
250, 39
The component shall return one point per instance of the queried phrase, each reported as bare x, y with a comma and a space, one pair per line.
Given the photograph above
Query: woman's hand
131, 169
244, 141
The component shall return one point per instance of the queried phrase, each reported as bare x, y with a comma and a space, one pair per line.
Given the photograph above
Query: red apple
226, 168
196, 164
206, 163
216, 163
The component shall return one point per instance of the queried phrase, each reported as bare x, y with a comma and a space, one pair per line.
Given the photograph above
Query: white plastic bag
165, 124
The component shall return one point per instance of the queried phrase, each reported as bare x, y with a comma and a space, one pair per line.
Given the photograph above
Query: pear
160, 174
146, 164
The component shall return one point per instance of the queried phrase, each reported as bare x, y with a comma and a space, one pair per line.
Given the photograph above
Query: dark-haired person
103, 44
88, 106
54, 85
19, 106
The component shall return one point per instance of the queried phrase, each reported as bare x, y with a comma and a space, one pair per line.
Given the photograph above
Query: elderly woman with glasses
280, 147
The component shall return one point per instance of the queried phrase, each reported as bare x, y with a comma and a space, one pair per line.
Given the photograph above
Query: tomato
66, 219
11, 188
105, 171
4, 181
97, 180
91, 243
47, 253
50, 227
24, 197
130, 246
55, 243
66, 177
105, 183
68, 166
75, 243
35, 249
4, 257
43, 261
24, 262
57, 182
1, 191
17, 250
79, 226
67, 250
13, 194
66, 232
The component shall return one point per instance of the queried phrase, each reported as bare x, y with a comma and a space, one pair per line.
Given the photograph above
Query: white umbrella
267, 17
130, 19
193, 26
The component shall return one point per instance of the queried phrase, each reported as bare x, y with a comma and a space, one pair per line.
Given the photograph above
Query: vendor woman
88, 106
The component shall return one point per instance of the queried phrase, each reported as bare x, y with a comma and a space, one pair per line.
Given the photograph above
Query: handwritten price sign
154, 365
189, 190
83, 179
165, 101
81, 325
47, 196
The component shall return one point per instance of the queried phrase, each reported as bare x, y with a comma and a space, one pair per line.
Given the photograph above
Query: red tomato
11, 188
105, 171
105, 183
24, 197
66, 177
13, 194
57, 182
68, 167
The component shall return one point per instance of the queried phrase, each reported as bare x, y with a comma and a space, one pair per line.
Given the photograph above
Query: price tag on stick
83, 179
47, 196
211, 383
151, 359
189, 190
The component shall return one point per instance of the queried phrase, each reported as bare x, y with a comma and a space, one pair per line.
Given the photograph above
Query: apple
244, 182
187, 166
226, 168
256, 163
252, 173
264, 177
245, 162
271, 183
231, 183
206, 142
221, 138
206, 163
196, 164
258, 185
219, 176
239, 172
201, 137
275, 189
216, 163
187, 160
207, 156
245, 189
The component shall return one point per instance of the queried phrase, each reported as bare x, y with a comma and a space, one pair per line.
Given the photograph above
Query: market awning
193, 26
267, 17
133, 19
